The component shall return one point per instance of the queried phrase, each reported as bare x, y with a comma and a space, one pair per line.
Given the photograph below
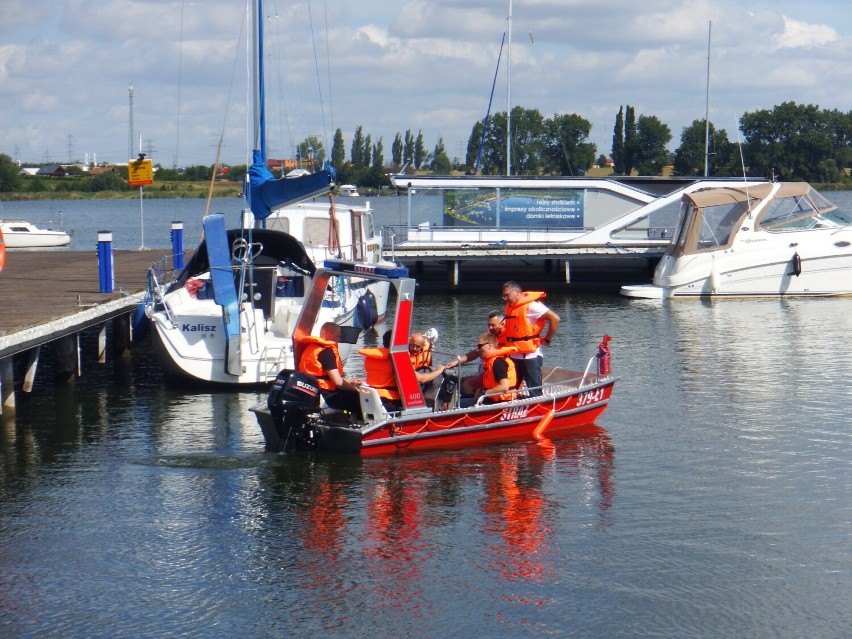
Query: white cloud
801, 35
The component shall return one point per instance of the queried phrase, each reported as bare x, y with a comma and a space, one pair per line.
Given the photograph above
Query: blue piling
177, 246
105, 267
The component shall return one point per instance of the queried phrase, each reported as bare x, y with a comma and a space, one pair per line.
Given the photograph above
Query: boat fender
543, 424
368, 312
2, 252
797, 264
604, 368
715, 278
192, 285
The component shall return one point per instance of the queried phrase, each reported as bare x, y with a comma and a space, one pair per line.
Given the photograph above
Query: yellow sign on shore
140, 172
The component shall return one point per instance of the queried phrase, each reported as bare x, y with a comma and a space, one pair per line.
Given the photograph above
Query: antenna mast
130, 139
707, 108
509, 97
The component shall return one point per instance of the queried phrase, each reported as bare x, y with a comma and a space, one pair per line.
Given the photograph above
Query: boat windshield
711, 227
802, 211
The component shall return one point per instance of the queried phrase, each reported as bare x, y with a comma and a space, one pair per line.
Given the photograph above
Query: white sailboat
229, 316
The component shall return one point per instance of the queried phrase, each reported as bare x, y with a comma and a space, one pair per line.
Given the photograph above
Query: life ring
2, 251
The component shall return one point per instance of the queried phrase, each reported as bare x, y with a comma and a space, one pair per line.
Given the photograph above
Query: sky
389, 66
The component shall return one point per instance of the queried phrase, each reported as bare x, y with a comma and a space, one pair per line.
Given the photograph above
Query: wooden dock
50, 297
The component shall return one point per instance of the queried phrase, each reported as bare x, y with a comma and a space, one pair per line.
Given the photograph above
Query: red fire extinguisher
603, 357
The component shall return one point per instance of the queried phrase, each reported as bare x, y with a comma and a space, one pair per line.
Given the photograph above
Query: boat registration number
590, 397
515, 412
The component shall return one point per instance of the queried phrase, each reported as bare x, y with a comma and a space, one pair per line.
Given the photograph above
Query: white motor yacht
763, 240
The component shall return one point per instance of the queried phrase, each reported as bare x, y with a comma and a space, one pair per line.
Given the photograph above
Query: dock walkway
52, 296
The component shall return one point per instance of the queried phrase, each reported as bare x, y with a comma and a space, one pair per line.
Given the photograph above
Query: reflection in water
401, 523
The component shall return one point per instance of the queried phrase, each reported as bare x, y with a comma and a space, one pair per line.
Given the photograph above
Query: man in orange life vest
523, 325
470, 383
321, 359
498, 372
377, 365
420, 352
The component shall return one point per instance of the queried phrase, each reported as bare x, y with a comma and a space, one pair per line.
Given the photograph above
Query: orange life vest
518, 329
377, 365
423, 359
489, 379
310, 364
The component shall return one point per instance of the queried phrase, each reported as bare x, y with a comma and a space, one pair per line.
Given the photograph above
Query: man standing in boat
321, 359
523, 326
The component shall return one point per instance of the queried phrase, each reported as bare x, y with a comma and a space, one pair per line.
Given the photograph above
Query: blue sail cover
267, 193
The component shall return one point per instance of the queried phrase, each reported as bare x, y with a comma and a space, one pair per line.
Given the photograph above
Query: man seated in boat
420, 352
498, 373
470, 383
321, 359
379, 369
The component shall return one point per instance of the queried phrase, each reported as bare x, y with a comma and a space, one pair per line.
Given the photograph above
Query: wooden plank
37, 287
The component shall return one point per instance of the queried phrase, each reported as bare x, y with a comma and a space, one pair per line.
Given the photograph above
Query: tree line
788, 142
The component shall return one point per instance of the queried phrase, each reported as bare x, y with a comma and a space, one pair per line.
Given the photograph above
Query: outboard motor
292, 400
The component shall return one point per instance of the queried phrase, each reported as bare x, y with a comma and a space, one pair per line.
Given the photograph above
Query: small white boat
763, 240
349, 190
21, 234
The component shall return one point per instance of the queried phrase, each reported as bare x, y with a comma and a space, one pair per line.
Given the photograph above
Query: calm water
712, 499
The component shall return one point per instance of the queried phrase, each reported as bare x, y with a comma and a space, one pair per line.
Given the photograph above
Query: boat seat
372, 408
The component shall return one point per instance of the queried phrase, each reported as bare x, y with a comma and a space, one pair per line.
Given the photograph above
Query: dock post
67, 351
32, 367
7, 385
105, 268
177, 245
121, 336
455, 275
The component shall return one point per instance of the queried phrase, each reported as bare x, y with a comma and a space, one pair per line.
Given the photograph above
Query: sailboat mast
509, 96
257, 81
707, 108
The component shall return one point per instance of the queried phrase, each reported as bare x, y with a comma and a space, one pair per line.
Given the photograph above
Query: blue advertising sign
515, 208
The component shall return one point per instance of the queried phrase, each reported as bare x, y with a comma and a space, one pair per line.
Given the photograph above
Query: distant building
53, 170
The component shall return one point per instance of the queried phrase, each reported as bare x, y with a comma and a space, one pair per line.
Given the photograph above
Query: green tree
312, 150
10, 179
419, 151
473, 143
651, 154
722, 160
396, 150
618, 141
567, 150
379, 155
408, 149
109, 181
630, 144
440, 160
356, 155
791, 141
338, 149
367, 151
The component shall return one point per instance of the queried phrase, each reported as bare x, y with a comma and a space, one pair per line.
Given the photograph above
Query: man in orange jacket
321, 359
524, 327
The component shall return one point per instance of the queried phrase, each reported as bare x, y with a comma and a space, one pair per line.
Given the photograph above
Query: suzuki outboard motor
292, 400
